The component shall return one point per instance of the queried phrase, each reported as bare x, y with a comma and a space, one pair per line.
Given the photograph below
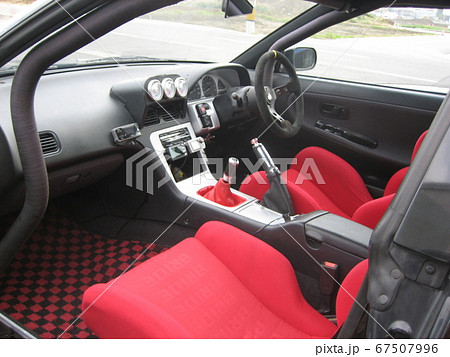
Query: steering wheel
282, 125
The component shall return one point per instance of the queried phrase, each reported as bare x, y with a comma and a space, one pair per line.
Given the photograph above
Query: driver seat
223, 283
335, 186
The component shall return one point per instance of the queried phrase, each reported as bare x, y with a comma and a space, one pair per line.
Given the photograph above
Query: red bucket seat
224, 283
339, 189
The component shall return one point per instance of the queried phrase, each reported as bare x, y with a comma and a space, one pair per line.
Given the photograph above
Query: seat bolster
395, 181
370, 213
307, 197
120, 315
266, 273
418, 145
349, 290
335, 177
255, 185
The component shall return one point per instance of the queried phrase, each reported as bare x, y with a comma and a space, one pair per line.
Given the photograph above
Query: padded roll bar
88, 28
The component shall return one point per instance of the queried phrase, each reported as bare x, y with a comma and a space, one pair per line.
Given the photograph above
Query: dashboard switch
205, 118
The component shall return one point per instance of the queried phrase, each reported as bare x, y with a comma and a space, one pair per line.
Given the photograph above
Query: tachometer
195, 93
209, 86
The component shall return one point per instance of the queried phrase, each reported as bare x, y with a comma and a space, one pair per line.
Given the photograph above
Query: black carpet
43, 287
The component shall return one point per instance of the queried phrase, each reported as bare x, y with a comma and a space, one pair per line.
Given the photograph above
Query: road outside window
405, 48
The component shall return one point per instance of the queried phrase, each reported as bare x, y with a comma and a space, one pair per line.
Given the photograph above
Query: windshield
398, 47
192, 30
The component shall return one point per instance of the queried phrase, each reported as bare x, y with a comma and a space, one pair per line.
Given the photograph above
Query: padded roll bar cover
56, 47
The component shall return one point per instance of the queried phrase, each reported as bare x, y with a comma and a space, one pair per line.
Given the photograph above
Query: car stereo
179, 143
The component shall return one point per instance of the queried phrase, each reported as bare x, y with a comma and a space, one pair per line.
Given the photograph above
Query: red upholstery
371, 212
320, 180
349, 289
224, 283
395, 181
418, 144
341, 182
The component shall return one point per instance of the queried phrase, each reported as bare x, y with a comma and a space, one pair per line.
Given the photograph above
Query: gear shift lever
277, 197
221, 192
229, 174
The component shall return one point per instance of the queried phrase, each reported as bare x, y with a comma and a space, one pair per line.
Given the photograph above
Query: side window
398, 47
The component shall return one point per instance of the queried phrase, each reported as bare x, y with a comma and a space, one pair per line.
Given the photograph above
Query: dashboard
77, 111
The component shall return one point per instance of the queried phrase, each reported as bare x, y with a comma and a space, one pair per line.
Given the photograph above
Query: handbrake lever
277, 197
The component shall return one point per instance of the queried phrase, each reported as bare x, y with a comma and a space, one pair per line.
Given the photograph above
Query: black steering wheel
286, 124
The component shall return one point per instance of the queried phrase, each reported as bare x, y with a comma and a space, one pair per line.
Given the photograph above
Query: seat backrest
396, 180
371, 212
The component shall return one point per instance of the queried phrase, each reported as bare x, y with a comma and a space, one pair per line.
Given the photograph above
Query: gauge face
181, 86
155, 89
195, 93
168, 87
209, 86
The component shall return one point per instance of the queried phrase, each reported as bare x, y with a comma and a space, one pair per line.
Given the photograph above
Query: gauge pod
181, 86
169, 87
155, 89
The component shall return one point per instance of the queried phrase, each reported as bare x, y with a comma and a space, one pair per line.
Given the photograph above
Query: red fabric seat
331, 184
224, 283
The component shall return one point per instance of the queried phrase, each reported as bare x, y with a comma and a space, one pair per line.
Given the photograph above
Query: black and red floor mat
43, 287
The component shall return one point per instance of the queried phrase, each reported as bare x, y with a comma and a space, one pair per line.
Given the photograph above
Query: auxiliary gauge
181, 86
169, 87
155, 89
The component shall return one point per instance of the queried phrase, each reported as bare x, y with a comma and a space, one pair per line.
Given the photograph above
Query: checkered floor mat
44, 285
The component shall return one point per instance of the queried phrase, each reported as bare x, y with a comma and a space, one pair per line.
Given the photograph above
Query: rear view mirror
236, 7
302, 58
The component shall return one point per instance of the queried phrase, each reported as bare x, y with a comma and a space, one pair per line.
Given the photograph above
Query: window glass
192, 30
401, 47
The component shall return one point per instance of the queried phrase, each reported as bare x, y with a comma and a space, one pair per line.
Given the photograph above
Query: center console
179, 147
312, 242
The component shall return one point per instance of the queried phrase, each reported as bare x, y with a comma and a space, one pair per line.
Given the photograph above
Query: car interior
146, 199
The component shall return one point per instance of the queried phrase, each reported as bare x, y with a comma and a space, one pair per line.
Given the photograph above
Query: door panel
374, 128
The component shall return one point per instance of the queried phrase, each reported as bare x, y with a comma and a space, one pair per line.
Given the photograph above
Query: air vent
155, 115
49, 143
170, 113
151, 117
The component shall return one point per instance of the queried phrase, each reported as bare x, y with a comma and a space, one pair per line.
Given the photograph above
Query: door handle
335, 111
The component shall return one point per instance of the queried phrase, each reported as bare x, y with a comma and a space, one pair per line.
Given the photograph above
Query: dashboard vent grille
171, 113
158, 114
151, 117
49, 143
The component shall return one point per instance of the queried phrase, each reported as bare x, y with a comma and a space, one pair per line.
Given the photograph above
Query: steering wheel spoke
277, 116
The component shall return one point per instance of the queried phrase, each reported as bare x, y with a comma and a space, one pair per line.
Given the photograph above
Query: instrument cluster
208, 86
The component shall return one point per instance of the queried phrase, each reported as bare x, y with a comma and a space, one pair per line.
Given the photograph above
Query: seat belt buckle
328, 278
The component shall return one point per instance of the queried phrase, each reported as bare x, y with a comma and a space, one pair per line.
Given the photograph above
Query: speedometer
209, 86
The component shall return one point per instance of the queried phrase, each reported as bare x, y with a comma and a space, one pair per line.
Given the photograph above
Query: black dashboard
76, 111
